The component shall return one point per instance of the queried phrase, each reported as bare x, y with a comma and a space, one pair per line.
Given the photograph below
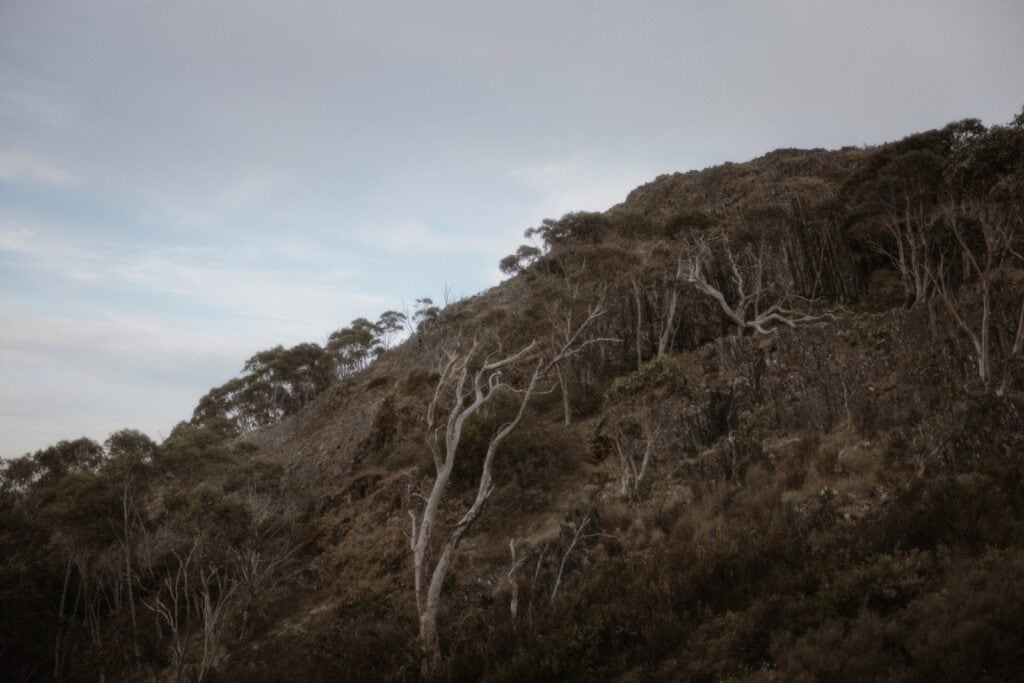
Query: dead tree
756, 305
656, 284
533, 581
576, 529
634, 470
668, 321
192, 595
902, 195
58, 653
173, 605
980, 266
568, 338
73, 560
1011, 351
214, 594
124, 529
257, 562
909, 252
639, 305
513, 581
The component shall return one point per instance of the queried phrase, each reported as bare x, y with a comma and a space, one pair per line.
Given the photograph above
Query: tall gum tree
467, 384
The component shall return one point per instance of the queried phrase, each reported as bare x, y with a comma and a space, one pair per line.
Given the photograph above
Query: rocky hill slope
764, 422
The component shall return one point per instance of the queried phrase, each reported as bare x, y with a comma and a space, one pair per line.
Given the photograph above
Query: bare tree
569, 337
576, 529
74, 559
639, 305
130, 456
58, 653
214, 594
634, 469
513, 581
461, 392
124, 529
756, 304
258, 560
982, 257
173, 606
656, 286
902, 195
1011, 351
533, 581
909, 251
464, 392
189, 595
671, 306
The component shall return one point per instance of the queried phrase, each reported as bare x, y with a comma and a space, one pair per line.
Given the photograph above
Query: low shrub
666, 375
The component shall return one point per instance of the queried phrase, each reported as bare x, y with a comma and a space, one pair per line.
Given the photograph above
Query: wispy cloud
417, 237
16, 240
20, 166
132, 347
70, 377
217, 206
235, 281
27, 103
253, 289
578, 183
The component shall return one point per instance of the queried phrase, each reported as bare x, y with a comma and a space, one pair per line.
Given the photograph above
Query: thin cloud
67, 377
17, 241
233, 281
112, 342
21, 166
576, 184
416, 237
27, 104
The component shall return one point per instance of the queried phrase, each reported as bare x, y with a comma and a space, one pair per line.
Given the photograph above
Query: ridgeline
757, 422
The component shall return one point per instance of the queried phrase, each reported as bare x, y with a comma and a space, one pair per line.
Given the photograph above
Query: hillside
757, 422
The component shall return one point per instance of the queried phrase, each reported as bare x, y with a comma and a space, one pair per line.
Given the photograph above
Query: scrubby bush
665, 375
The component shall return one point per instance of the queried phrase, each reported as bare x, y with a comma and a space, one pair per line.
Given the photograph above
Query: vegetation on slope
792, 451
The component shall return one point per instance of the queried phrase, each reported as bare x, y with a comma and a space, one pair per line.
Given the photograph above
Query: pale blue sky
185, 183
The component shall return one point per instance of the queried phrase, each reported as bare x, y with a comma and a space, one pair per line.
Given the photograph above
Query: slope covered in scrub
783, 442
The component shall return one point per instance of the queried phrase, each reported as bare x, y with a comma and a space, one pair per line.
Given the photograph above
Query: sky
185, 183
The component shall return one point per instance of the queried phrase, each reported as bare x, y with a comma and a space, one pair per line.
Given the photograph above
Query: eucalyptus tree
424, 312
389, 326
525, 256
468, 381
67, 457
571, 332
903, 196
128, 470
985, 212
352, 347
466, 384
